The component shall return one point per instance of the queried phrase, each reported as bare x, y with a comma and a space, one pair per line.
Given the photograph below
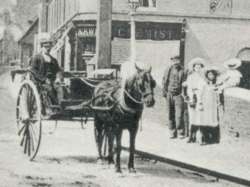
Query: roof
33, 25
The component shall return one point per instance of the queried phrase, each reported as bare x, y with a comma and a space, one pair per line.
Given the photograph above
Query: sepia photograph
124, 93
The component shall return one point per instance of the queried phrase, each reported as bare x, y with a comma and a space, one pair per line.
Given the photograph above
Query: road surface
68, 158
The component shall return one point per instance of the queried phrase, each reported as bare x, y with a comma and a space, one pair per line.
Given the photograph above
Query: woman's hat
233, 63
196, 61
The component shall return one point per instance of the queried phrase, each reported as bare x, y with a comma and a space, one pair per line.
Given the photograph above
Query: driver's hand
48, 81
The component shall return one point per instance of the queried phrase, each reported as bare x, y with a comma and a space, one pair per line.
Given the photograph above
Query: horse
125, 101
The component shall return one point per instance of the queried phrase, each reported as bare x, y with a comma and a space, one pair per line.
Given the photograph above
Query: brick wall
236, 119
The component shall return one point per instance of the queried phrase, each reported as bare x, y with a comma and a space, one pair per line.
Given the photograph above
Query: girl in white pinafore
195, 84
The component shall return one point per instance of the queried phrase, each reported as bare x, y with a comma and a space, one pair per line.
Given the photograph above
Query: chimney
43, 16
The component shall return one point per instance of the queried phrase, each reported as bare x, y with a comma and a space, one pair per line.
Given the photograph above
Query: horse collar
124, 106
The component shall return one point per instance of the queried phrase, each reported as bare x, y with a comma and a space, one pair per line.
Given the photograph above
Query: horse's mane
128, 73
128, 70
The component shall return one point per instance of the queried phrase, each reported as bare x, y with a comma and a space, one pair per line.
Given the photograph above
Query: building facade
212, 29
9, 35
27, 44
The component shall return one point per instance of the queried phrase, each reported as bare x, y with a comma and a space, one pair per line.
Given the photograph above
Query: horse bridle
143, 95
132, 98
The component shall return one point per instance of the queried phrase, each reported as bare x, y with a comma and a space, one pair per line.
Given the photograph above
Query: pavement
231, 156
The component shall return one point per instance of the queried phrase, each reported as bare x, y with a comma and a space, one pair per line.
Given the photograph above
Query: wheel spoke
29, 141
32, 141
33, 131
29, 99
21, 130
33, 106
26, 144
23, 139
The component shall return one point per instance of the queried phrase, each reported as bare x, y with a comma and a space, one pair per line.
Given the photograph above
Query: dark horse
124, 103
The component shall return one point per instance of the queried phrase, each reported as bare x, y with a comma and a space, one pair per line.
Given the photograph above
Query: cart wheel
28, 116
101, 143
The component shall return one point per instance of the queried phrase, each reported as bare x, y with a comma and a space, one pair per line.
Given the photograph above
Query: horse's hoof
111, 162
132, 170
118, 170
100, 161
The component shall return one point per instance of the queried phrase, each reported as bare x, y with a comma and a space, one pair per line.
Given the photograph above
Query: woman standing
195, 84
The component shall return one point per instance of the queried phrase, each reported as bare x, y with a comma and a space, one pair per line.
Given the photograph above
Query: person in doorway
172, 91
194, 85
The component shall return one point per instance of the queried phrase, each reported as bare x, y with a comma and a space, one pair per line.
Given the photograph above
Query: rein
132, 98
85, 80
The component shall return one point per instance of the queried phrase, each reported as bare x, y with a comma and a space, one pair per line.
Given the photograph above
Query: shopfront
83, 41
156, 43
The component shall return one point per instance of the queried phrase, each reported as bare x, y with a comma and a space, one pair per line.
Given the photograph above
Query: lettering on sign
148, 31
86, 32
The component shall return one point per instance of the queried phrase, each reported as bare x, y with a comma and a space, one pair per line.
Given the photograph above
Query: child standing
210, 98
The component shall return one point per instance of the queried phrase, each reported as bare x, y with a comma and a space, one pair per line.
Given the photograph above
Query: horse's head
145, 84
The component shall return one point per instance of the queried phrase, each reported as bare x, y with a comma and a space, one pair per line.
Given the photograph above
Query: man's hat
45, 38
177, 57
233, 63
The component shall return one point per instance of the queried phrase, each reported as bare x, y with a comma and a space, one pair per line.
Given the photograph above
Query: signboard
149, 31
85, 32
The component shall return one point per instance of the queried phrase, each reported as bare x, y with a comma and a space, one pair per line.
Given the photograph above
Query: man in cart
46, 71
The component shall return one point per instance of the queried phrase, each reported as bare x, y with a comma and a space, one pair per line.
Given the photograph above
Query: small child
211, 103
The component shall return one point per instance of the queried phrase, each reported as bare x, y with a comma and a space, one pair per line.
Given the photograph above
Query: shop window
148, 3
244, 55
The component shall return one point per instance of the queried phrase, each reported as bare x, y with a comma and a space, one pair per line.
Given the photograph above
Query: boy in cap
172, 91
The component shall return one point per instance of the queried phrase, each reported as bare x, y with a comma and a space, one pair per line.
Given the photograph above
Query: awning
60, 42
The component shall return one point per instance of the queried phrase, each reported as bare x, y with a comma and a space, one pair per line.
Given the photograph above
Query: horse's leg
99, 137
118, 150
110, 145
132, 136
